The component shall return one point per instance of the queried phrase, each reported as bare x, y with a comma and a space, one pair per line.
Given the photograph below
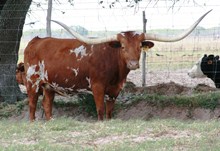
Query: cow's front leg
109, 107
98, 93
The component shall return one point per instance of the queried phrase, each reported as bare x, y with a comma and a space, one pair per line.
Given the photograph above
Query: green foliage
209, 100
7, 110
87, 104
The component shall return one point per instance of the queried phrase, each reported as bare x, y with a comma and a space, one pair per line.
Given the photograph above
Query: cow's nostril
133, 65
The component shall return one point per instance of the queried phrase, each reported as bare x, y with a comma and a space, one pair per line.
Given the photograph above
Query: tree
12, 18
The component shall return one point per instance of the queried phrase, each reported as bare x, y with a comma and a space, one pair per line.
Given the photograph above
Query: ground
142, 110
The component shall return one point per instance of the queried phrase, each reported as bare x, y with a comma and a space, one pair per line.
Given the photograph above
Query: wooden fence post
49, 13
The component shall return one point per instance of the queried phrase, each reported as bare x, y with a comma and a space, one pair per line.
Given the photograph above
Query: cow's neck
123, 70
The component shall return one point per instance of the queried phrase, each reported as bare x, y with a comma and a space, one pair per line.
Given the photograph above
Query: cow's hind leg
32, 99
48, 103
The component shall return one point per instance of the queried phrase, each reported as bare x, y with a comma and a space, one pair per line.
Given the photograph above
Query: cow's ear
115, 44
217, 57
148, 44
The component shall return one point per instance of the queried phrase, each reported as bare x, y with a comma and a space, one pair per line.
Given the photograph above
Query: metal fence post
144, 54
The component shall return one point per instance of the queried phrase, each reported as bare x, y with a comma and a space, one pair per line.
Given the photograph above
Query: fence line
165, 61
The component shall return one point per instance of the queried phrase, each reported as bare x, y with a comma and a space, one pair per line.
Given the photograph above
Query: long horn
85, 39
160, 38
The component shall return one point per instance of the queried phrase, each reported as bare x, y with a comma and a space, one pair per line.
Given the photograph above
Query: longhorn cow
98, 65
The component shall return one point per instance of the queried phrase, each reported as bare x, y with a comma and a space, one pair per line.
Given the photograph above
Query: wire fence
165, 62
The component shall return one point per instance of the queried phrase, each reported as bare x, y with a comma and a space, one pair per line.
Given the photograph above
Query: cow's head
20, 74
130, 44
205, 67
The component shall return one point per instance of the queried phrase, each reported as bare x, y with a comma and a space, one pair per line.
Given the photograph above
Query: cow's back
54, 59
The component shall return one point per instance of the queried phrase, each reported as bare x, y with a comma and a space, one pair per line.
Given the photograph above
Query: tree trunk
12, 20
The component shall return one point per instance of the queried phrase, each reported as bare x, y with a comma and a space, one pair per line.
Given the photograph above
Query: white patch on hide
55, 85
76, 71
43, 76
31, 71
88, 79
81, 50
84, 91
108, 98
66, 81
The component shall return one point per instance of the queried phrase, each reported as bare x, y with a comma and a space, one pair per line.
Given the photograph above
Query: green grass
68, 134
209, 100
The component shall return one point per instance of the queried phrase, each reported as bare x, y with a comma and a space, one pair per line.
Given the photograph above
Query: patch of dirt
144, 111
168, 89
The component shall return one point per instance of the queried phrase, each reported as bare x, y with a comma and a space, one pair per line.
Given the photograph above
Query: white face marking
43, 76
196, 71
76, 71
66, 80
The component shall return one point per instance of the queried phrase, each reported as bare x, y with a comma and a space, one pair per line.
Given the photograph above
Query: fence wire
166, 62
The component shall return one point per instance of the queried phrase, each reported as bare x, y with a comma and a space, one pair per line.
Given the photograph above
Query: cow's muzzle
132, 65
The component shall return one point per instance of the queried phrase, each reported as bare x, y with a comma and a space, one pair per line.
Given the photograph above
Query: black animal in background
207, 66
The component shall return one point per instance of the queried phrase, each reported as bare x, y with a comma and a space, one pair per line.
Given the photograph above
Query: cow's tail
55, 89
